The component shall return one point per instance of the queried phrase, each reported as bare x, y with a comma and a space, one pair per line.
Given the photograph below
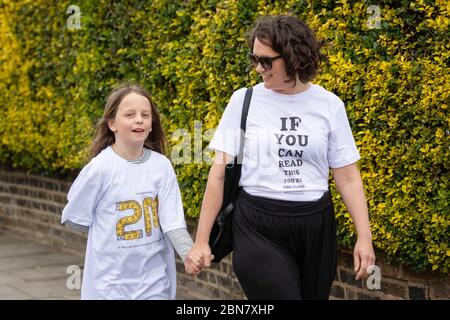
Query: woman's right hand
193, 263
205, 251
198, 258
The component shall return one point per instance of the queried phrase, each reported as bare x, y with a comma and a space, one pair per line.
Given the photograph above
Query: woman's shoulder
241, 91
327, 94
238, 96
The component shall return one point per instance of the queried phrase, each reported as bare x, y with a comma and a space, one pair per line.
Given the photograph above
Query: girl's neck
128, 153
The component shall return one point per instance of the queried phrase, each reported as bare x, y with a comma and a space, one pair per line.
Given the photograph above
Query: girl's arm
181, 241
83, 197
76, 227
349, 184
212, 202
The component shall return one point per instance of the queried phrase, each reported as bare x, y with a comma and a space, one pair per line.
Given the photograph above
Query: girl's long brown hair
104, 137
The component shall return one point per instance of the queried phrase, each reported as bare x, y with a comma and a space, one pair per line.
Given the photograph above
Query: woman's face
275, 77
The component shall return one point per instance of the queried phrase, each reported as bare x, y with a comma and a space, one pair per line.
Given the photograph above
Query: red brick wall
31, 206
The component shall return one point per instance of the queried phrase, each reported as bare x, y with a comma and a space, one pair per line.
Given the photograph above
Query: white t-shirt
291, 141
128, 207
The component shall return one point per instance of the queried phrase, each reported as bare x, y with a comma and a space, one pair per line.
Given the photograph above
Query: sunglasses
266, 62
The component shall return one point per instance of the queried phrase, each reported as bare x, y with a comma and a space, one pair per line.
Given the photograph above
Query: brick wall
31, 206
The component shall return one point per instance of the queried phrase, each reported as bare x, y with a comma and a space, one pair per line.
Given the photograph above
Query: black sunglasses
266, 62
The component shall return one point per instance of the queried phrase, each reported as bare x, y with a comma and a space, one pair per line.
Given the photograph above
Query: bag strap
248, 97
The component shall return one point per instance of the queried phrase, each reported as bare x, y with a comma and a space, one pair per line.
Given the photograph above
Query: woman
284, 231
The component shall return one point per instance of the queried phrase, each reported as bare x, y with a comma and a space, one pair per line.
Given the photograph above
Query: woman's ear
112, 125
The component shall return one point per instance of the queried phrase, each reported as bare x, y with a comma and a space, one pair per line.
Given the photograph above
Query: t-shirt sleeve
342, 148
83, 197
228, 133
170, 206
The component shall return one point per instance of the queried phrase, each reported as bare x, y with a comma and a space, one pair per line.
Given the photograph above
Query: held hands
193, 263
363, 257
197, 259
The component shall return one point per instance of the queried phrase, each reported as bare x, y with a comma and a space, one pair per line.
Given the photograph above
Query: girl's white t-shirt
128, 208
290, 142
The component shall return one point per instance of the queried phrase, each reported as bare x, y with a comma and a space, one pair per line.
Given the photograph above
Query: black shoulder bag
221, 237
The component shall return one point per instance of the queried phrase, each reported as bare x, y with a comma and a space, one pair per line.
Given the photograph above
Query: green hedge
192, 56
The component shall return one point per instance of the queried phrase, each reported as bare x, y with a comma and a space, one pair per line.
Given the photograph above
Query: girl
128, 198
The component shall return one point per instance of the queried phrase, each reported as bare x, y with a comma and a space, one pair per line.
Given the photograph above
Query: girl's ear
112, 125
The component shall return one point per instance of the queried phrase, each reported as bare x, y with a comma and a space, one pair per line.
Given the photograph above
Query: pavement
32, 271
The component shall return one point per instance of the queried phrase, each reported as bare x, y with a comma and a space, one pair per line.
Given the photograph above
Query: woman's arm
212, 202
349, 185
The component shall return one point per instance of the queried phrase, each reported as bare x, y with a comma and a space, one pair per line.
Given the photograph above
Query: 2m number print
147, 205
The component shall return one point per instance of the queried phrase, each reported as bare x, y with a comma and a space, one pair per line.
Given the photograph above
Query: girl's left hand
193, 263
363, 257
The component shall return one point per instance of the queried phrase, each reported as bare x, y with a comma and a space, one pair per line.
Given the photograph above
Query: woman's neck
299, 87
129, 152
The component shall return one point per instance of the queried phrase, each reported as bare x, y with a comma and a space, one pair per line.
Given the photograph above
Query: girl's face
275, 77
133, 121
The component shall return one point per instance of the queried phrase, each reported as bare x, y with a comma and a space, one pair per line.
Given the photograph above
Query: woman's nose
259, 68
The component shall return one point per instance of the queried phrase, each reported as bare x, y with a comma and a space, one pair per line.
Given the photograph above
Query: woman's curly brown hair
294, 41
